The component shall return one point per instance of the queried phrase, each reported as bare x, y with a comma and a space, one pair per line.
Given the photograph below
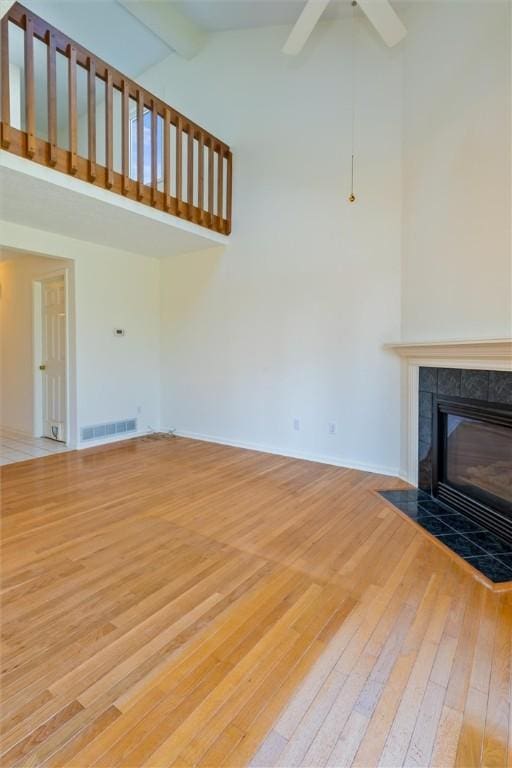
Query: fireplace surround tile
486, 386
426, 404
425, 429
448, 381
428, 379
475, 385
500, 387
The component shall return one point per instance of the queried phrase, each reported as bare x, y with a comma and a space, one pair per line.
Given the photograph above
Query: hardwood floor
171, 602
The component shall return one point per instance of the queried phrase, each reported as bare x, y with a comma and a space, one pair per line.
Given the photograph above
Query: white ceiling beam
4, 6
165, 20
304, 26
385, 20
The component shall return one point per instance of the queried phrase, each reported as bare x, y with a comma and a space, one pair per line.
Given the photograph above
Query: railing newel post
140, 144
30, 111
73, 166
52, 97
210, 181
190, 172
200, 177
154, 152
125, 130
220, 188
229, 192
91, 125
167, 159
109, 131
179, 165
6, 86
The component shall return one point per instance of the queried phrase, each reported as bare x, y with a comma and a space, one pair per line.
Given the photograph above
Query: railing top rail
42, 30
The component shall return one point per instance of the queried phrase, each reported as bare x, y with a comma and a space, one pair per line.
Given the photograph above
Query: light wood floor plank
170, 602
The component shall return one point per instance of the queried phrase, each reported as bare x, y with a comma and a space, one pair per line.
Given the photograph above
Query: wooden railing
149, 152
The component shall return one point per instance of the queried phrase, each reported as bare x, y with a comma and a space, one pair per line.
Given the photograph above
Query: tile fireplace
457, 448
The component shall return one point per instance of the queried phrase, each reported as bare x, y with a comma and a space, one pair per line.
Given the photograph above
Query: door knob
42, 367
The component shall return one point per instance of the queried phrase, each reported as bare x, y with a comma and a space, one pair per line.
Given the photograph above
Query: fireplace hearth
464, 495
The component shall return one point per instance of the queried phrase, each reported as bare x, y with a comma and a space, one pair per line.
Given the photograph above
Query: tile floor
18, 446
485, 551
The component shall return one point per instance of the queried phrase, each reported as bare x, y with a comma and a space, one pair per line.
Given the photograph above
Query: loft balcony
65, 109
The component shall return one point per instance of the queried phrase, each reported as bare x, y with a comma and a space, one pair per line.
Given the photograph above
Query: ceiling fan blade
385, 20
304, 26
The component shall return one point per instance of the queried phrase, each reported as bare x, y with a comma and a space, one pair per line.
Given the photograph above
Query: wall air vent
111, 428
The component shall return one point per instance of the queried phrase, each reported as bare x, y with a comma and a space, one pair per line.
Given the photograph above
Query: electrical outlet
296, 424
332, 427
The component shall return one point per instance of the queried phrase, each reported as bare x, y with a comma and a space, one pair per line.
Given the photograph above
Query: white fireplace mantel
482, 354
496, 350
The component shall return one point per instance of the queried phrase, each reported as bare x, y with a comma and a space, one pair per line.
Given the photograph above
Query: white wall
17, 273
456, 182
114, 376
289, 321
117, 376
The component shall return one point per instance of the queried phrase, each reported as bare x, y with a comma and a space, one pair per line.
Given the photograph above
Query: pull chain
352, 197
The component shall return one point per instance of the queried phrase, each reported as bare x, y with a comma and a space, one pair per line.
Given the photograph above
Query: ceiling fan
379, 12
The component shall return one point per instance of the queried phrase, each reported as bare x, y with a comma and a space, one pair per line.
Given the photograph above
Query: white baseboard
263, 448
112, 439
402, 474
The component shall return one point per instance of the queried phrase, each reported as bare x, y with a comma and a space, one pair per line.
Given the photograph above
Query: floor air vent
99, 431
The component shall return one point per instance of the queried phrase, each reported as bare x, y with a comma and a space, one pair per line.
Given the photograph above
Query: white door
53, 363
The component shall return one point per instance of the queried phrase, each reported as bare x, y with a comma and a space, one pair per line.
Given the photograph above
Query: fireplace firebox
472, 460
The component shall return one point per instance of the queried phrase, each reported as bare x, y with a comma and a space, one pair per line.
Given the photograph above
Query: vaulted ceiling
108, 29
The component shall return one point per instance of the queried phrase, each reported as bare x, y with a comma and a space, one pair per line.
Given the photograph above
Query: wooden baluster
179, 166
140, 144
109, 131
220, 188
200, 177
30, 97
125, 129
167, 159
6, 87
51, 68
229, 192
91, 124
154, 152
190, 173
73, 167
210, 182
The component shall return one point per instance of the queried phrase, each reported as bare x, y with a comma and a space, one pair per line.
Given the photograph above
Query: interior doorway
38, 356
51, 357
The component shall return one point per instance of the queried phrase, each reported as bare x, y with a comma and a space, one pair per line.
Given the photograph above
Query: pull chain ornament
352, 197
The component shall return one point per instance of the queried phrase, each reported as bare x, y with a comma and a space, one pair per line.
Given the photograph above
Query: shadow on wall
194, 273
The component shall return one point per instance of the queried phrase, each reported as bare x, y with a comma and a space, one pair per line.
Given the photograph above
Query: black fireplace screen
478, 460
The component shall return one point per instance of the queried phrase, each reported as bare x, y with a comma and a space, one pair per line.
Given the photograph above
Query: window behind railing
65, 108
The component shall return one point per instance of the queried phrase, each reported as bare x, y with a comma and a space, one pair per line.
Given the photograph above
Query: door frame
37, 337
